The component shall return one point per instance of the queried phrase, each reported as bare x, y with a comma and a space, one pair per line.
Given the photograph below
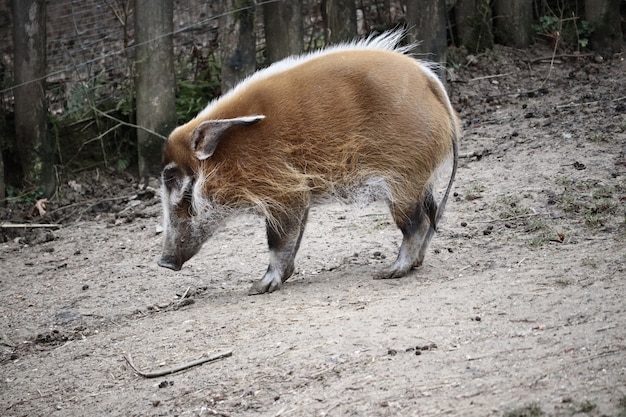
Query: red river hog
358, 122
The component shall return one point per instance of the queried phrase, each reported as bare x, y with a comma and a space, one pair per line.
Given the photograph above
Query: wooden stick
178, 368
549, 58
588, 103
29, 225
94, 201
121, 122
487, 77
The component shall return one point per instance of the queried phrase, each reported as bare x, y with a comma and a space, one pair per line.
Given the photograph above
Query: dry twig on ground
178, 368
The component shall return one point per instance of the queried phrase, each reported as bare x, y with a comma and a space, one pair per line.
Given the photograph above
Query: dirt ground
519, 310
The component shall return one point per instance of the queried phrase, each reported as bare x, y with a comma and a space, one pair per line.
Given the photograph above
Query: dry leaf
40, 205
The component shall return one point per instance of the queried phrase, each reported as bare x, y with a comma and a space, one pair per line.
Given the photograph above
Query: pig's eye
172, 177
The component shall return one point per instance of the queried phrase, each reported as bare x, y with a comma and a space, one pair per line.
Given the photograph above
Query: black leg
284, 241
418, 224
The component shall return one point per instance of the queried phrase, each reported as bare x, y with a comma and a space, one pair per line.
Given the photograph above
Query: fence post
427, 24
237, 41
155, 82
284, 33
473, 24
2, 145
604, 16
513, 22
339, 20
31, 124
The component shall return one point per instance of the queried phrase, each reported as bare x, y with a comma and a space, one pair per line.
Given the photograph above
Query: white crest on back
387, 41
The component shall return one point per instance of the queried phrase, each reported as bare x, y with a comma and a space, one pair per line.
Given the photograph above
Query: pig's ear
207, 135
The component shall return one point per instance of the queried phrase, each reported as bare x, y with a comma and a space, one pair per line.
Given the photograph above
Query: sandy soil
519, 310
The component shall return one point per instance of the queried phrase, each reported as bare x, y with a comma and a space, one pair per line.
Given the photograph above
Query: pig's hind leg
284, 241
418, 225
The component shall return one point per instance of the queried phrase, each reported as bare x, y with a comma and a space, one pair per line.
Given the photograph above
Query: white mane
387, 41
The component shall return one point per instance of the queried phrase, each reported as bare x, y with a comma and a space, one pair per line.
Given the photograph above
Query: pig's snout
170, 263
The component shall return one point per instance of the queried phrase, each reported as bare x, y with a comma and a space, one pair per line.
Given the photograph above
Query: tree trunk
604, 16
426, 20
513, 22
35, 150
155, 82
340, 20
237, 41
284, 33
473, 22
2, 146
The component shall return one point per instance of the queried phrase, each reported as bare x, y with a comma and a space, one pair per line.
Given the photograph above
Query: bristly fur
354, 121
387, 41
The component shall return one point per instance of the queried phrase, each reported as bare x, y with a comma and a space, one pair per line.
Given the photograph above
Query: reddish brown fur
332, 121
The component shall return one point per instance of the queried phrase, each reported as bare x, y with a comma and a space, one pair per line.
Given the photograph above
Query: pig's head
182, 239
189, 213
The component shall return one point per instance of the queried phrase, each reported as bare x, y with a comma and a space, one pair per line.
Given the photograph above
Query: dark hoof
169, 264
259, 287
391, 274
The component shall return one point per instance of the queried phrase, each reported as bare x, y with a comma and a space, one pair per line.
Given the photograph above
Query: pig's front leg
283, 240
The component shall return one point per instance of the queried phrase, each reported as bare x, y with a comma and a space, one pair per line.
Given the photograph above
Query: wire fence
90, 56
90, 50
90, 46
